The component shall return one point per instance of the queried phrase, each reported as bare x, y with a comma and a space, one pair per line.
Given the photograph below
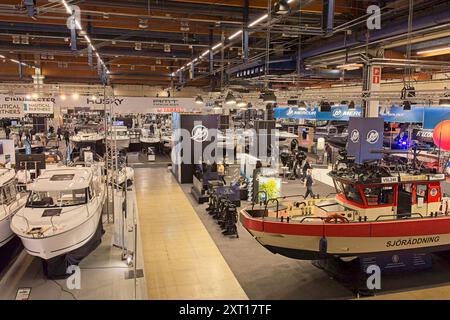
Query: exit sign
376, 75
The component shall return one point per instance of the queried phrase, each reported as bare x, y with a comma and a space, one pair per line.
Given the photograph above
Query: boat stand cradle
56, 268
9, 253
355, 275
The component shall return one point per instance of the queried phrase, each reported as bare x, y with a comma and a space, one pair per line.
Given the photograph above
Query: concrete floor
264, 275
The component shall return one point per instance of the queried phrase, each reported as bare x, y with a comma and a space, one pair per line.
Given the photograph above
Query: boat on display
376, 210
119, 135
150, 140
63, 211
86, 138
11, 202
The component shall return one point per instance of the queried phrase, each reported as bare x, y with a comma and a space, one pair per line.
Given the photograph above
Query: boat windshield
50, 199
120, 133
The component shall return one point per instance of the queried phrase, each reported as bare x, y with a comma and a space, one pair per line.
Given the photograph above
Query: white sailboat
11, 201
62, 212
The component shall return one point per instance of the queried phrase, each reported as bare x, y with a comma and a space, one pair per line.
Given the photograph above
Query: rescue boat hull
312, 241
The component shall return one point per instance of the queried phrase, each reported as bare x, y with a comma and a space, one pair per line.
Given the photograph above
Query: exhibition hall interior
224, 150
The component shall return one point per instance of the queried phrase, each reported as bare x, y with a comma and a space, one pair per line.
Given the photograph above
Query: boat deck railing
262, 212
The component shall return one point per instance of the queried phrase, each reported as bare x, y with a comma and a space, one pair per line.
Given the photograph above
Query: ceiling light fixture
69, 10
350, 66
269, 97
143, 23
199, 99
260, 19
234, 35
75, 96
241, 104
63, 97
230, 99
281, 7
444, 102
434, 52
217, 46
204, 53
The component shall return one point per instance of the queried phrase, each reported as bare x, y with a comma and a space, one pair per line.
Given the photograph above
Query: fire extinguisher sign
376, 75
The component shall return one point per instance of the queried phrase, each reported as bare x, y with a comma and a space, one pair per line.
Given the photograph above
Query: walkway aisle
181, 260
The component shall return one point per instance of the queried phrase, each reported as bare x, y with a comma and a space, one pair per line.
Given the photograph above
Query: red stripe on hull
397, 228
424, 226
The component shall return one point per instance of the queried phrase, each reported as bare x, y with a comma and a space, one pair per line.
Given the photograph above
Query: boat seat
47, 201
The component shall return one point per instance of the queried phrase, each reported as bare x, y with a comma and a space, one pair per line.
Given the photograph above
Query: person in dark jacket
32, 133
308, 184
305, 169
7, 132
329, 152
59, 133
66, 137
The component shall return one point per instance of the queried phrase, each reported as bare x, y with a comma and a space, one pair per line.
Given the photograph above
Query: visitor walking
329, 152
66, 137
59, 132
7, 132
305, 169
308, 184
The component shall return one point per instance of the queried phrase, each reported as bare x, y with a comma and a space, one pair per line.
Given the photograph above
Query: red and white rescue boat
394, 213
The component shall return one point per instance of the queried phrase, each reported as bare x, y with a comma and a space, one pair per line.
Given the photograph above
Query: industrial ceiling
169, 43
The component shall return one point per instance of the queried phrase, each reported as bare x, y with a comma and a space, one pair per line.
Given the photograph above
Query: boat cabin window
48, 199
121, 133
8, 193
352, 193
379, 196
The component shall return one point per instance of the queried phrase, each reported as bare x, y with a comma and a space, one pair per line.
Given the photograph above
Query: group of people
30, 134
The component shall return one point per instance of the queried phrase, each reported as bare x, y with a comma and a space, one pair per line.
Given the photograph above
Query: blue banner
433, 116
397, 114
340, 112
430, 117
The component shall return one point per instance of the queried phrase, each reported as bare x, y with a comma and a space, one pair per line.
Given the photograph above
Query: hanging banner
10, 109
32, 107
12, 106
434, 116
126, 105
430, 117
397, 114
365, 135
339, 112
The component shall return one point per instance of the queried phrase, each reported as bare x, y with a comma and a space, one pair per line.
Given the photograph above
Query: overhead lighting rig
103, 70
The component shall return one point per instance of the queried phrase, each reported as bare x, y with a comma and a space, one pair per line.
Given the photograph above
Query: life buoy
335, 217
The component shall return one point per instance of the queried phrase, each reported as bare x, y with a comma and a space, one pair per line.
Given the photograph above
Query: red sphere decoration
441, 135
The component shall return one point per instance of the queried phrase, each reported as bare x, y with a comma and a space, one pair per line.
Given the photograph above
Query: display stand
56, 268
353, 275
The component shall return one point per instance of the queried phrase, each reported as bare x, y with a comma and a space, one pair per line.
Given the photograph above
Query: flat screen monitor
118, 123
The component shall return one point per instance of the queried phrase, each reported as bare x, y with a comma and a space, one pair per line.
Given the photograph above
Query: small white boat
150, 140
126, 173
11, 201
119, 135
62, 212
86, 137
